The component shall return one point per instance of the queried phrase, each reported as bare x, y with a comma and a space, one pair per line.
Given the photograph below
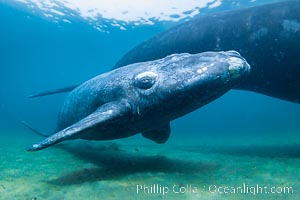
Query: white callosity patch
201, 70
147, 74
120, 12
146, 79
237, 67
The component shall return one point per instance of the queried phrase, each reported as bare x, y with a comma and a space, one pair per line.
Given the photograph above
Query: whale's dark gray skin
145, 97
267, 36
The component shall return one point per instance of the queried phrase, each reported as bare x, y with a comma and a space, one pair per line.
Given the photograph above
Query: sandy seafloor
113, 170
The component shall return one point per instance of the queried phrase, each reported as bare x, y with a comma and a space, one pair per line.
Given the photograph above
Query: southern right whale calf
145, 97
268, 37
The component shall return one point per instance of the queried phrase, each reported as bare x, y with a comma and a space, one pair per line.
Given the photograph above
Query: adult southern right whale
268, 36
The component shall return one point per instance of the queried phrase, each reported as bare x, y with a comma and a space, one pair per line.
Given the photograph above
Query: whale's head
181, 83
145, 97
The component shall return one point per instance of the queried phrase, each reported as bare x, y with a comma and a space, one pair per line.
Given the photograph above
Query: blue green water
242, 137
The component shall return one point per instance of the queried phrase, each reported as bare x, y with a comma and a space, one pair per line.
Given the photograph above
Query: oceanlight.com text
248, 189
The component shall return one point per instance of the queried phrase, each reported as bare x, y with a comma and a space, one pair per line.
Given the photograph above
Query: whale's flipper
159, 135
105, 114
54, 91
34, 130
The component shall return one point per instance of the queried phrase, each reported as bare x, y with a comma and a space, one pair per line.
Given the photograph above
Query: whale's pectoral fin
55, 91
107, 113
159, 135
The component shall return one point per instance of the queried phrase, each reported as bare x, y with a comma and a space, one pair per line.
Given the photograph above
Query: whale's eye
145, 80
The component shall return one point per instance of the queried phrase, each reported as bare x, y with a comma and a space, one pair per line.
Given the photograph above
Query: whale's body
268, 36
145, 97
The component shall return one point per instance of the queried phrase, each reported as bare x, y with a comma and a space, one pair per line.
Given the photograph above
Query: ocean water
242, 139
